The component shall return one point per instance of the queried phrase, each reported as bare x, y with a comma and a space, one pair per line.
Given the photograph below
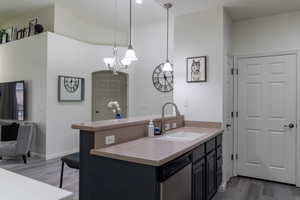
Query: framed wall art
196, 69
70, 89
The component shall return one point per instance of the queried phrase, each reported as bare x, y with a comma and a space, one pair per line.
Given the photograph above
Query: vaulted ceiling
238, 9
102, 11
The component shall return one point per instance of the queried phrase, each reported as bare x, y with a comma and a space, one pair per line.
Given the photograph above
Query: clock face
162, 81
71, 84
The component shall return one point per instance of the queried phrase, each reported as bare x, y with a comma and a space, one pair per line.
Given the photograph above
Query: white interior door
108, 87
267, 106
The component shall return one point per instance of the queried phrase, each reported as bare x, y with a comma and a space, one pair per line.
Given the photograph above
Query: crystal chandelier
114, 63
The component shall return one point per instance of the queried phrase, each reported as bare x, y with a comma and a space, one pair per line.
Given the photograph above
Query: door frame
92, 91
235, 126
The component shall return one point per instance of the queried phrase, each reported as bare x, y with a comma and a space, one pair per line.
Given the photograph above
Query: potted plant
114, 105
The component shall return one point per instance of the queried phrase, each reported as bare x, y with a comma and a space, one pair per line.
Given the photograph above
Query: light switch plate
174, 125
167, 127
110, 139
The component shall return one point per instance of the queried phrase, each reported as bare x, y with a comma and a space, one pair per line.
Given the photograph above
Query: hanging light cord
130, 24
116, 21
167, 34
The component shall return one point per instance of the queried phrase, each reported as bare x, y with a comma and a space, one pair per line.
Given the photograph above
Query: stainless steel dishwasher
176, 180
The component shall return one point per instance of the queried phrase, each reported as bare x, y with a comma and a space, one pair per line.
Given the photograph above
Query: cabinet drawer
198, 153
219, 152
219, 140
210, 145
219, 164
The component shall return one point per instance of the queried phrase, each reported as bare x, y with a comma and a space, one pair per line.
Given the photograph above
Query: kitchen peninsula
139, 167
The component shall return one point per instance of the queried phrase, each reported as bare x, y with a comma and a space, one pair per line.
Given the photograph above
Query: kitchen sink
182, 136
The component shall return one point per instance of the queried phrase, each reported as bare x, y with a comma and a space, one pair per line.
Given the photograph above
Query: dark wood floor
238, 188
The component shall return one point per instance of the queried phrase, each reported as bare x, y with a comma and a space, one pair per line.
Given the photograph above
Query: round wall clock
162, 81
71, 84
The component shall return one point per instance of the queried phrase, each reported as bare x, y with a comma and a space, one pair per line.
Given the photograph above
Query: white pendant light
167, 66
126, 62
109, 62
139, 1
130, 53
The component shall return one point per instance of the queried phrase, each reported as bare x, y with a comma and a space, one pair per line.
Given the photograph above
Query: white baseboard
60, 154
40, 155
54, 155
223, 186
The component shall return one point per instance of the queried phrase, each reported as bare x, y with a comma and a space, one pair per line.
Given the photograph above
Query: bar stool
72, 161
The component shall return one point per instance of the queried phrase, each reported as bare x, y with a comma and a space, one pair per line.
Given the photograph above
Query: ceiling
237, 9
102, 11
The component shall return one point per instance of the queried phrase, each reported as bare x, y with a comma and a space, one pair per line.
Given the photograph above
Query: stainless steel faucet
163, 128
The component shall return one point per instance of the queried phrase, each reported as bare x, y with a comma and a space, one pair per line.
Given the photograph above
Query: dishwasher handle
173, 167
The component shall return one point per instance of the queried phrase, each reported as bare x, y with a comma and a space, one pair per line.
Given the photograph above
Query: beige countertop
116, 123
154, 151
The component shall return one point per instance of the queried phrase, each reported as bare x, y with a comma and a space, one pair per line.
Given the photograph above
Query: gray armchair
21, 147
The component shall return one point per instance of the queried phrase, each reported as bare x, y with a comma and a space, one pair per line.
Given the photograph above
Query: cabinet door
211, 178
199, 180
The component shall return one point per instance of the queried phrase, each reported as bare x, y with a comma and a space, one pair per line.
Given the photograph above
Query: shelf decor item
2, 33
196, 69
70, 89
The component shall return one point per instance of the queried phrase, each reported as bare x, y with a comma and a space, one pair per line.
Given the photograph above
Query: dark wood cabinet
199, 180
207, 169
211, 175
144, 181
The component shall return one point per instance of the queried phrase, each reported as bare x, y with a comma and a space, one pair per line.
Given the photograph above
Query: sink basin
182, 136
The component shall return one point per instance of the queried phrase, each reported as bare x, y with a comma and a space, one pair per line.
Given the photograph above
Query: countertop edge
154, 163
120, 124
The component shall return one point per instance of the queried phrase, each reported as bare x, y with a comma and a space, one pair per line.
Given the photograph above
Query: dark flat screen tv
12, 100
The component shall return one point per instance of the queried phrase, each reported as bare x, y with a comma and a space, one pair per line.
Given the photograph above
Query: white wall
200, 34
268, 34
69, 24
45, 17
272, 34
150, 45
73, 58
27, 60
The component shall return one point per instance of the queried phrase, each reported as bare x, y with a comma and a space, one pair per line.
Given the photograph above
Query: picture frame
71, 89
196, 69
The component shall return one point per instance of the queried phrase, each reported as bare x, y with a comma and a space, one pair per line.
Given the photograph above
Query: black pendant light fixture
130, 53
167, 66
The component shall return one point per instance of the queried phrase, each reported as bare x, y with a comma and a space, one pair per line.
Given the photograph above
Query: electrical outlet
110, 140
174, 125
167, 127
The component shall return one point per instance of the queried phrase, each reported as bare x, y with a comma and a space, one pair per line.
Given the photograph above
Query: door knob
97, 111
228, 125
290, 125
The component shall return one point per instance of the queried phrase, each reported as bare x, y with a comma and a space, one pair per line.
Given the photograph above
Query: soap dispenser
151, 129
